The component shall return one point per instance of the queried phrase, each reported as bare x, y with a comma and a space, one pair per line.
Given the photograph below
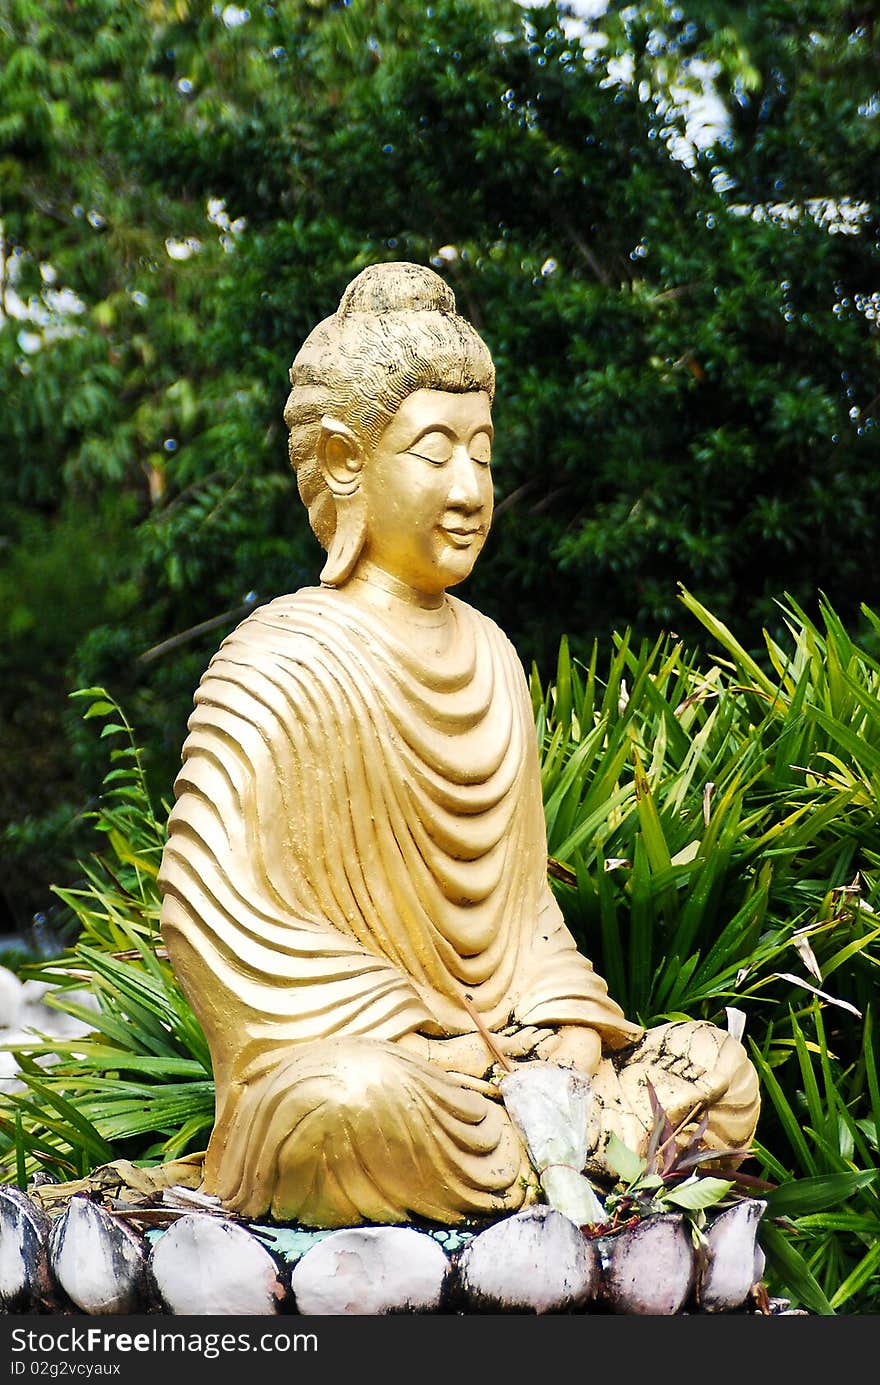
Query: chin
456, 566
452, 576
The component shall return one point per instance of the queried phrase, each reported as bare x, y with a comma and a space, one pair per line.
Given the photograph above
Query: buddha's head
390, 431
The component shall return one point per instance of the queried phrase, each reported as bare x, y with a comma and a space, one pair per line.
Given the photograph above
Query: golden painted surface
355, 877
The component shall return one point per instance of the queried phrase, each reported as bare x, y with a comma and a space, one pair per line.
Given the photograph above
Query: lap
351, 1129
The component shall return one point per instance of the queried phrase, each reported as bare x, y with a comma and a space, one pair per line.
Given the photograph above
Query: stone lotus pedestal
93, 1261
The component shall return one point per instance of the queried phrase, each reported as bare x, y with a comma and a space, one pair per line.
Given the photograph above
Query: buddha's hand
572, 1046
469, 1054
518, 1042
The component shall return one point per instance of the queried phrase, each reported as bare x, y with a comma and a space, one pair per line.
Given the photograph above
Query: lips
460, 534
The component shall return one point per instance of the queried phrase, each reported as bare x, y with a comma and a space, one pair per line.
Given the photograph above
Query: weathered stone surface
781, 1308
99, 1263
25, 1281
206, 1265
650, 1269
535, 1262
730, 1269
371, 1270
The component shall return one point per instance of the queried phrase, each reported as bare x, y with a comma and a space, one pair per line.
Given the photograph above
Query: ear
340, 457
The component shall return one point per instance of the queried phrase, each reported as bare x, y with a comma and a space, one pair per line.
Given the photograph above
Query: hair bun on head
398, 287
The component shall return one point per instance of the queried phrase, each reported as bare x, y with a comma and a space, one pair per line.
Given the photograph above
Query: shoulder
255, 672
487, 630
285, 634
279, 625
283, 612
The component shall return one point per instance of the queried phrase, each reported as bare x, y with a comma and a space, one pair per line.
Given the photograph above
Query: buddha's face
427, 490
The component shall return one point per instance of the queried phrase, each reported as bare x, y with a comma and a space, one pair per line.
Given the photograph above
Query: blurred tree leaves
686, 347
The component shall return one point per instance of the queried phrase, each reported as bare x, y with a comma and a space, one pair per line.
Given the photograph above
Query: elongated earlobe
341, 459
347, 543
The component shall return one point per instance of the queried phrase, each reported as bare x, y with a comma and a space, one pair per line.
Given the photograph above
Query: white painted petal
97, 1261
537, 1261
205, 1265
364, 1271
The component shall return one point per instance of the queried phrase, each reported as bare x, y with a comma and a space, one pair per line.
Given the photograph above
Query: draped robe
357, 847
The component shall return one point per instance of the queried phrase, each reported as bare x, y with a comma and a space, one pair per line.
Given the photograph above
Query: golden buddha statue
355, 888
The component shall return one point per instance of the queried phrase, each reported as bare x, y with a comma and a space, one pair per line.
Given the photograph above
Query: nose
465, 489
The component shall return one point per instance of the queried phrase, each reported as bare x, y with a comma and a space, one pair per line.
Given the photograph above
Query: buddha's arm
559, 988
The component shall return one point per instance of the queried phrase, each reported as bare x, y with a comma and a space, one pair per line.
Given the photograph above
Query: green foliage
686, 377
140, 1084
713, 826
63, 575
824, 1116
714, 841
666, 1179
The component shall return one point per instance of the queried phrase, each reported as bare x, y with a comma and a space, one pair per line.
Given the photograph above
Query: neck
385, 592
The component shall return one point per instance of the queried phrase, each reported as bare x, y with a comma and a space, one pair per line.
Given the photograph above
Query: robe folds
357, 847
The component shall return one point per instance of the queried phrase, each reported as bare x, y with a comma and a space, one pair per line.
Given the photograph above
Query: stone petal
733, 1257
371, 1270
98, 1262
206, 1265
535, 1262
650, 1268
25, 1282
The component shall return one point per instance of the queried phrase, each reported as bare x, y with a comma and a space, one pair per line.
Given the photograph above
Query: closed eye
481, 449
435, 447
